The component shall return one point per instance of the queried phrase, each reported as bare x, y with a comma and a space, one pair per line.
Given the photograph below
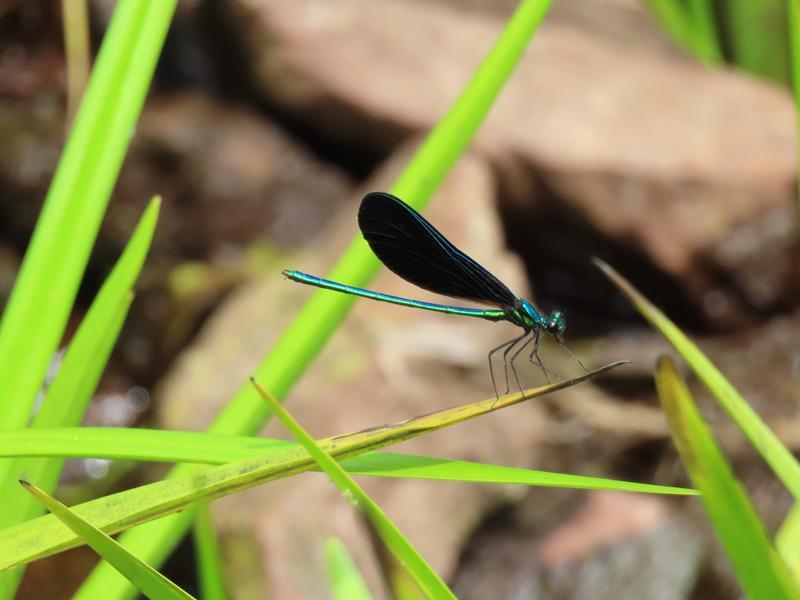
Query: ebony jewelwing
412, 248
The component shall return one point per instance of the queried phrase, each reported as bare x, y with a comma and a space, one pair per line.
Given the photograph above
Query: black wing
413, 249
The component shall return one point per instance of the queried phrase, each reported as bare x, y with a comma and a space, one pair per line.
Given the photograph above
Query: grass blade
84, 362
35, 316
793, 8
152, 583
673, 17
40, 537
757, 36
207, 556
419, 569
184, 446
37, 310
705, 37
345, 578
759, 569
76, 49
324, 312
787, 540
779, 458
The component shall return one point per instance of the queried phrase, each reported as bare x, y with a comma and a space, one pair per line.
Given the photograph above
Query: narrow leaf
151, 583
346, 580
208, 559
42, 298
779, 458
39, 537
184, 446
758, 567
424, 575
84, 362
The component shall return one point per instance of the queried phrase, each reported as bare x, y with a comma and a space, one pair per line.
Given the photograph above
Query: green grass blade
37, 310
86, 357
779, 458
758, 567
43, 470
83, 364
705, 37
674, 19
76, 50
345, 578
119, 443
207, 556
787, 540
758, 36
151, 583
35, 316
424, 575
324, 312
793, 9
40, 537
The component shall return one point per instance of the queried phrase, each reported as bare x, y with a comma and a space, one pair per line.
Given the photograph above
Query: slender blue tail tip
285, 273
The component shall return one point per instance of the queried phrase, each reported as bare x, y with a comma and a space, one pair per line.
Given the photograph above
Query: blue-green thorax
526, 316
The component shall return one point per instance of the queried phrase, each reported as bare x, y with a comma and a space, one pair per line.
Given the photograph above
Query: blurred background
267, 123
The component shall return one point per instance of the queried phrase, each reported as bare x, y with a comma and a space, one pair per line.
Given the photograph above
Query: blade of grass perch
151, 583
40, 537
424, 575
779, 458
759, 569
207, 556
345, 579
119, 443
318, 319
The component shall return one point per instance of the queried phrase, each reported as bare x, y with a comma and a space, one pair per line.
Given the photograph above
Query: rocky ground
268, 121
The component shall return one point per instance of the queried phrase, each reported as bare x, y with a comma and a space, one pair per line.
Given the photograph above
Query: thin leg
560, 343
535, 358
505, 360
514, 356
491, 367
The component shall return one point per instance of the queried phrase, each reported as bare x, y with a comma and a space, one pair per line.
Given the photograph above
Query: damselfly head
556, 323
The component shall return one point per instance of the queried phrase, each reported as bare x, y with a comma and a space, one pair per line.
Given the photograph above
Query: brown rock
644, 157
228, 177
230, 180
613, 546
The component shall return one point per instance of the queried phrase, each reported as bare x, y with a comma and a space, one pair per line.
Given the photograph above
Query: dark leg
506, 361
491, 367
560, 343
514, 356
535, 358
